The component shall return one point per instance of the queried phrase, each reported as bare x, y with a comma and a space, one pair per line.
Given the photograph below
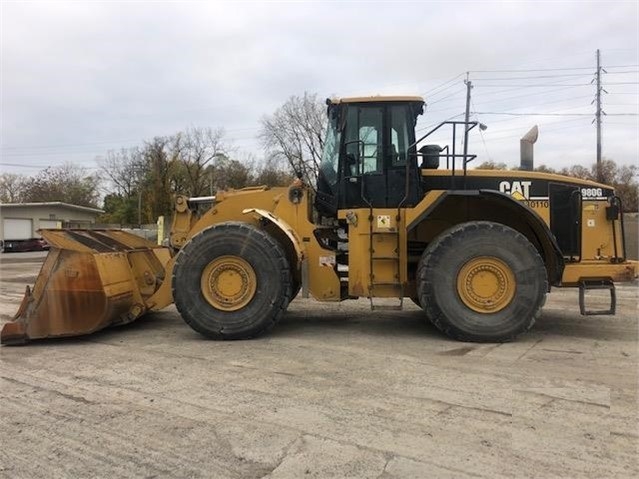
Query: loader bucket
91, 279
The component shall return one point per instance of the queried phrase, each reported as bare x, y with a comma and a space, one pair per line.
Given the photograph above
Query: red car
33, 244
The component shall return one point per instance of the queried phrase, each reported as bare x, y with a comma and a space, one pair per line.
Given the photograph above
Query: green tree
119, 209
160, 160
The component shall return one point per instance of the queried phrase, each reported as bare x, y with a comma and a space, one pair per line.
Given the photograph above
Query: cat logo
520, 190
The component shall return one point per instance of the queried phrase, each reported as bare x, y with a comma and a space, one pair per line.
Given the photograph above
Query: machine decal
327, 261
520, 190
383, 221
593, 194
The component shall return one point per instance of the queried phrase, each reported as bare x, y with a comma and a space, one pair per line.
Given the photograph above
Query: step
389, 283
387, 307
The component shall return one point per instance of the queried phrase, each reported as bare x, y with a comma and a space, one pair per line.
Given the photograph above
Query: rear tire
231, 281
482, 281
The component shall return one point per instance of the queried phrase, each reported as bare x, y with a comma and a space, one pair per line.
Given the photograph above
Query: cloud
81, 78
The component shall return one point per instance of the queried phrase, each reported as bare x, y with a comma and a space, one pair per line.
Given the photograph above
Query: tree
230, 173
197, 149
67, 183
622, 178
161, 156
491, 165
119, 209
124, 170
544, 169
295, 133
272, 174
577, 171
12, 187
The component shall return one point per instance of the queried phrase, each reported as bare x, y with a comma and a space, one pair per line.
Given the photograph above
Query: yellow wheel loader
390, 217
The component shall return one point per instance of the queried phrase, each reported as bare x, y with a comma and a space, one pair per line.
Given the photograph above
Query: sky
78, 79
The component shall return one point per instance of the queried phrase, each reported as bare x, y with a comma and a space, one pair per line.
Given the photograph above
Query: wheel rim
228, 283
486, 284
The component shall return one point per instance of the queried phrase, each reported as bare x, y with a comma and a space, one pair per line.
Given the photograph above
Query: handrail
449, 155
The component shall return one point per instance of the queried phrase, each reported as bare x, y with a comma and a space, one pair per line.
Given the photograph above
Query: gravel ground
333, 391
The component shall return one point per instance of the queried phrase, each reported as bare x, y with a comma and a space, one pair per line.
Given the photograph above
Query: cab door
363, 166
376, 142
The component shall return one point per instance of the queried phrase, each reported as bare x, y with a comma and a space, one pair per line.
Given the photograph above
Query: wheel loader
391, 218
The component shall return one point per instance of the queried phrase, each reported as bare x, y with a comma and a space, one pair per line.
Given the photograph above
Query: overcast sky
80, 78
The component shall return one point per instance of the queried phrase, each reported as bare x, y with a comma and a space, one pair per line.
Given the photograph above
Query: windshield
330, 155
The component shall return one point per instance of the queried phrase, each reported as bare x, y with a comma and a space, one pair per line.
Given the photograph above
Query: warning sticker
327, 260
383, 221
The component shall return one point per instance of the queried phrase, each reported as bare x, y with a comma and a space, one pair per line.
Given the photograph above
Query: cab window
364, 140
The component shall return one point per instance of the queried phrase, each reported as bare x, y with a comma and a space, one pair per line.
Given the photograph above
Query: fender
283, 226
552, 252
538, 231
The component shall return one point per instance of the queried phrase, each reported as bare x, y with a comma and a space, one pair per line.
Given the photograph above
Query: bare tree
12, 187
491, 165
124, 170
296, 132
198, 148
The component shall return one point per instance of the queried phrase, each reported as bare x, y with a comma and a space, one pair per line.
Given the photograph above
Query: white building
23, 220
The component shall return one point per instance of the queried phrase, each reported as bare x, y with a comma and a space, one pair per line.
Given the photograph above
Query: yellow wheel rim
486, 284
228, 283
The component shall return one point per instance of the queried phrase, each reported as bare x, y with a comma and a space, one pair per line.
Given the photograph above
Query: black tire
296, 286
272, 273
442, 262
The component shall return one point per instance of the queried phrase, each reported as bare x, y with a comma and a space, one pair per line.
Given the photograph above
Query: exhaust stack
526, 147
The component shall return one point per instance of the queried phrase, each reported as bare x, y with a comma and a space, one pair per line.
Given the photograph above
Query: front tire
231, 281
482, 281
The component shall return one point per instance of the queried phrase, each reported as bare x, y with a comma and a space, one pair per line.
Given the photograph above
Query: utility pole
469, 85
598, 116
139, 207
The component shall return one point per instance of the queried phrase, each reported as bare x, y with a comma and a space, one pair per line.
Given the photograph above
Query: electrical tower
599, 113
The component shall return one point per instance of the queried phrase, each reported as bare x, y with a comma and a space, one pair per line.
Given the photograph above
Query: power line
105, 142
531, 77
502, 138
537, 93
558, 100
445, 98
531, 70
534, 85
541, 124
442, 84
481, 134
438, 122
541, 85
548, 114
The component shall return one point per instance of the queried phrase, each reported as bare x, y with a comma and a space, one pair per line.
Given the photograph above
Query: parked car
33, 244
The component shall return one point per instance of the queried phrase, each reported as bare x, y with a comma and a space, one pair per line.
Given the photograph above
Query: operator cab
369, 157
